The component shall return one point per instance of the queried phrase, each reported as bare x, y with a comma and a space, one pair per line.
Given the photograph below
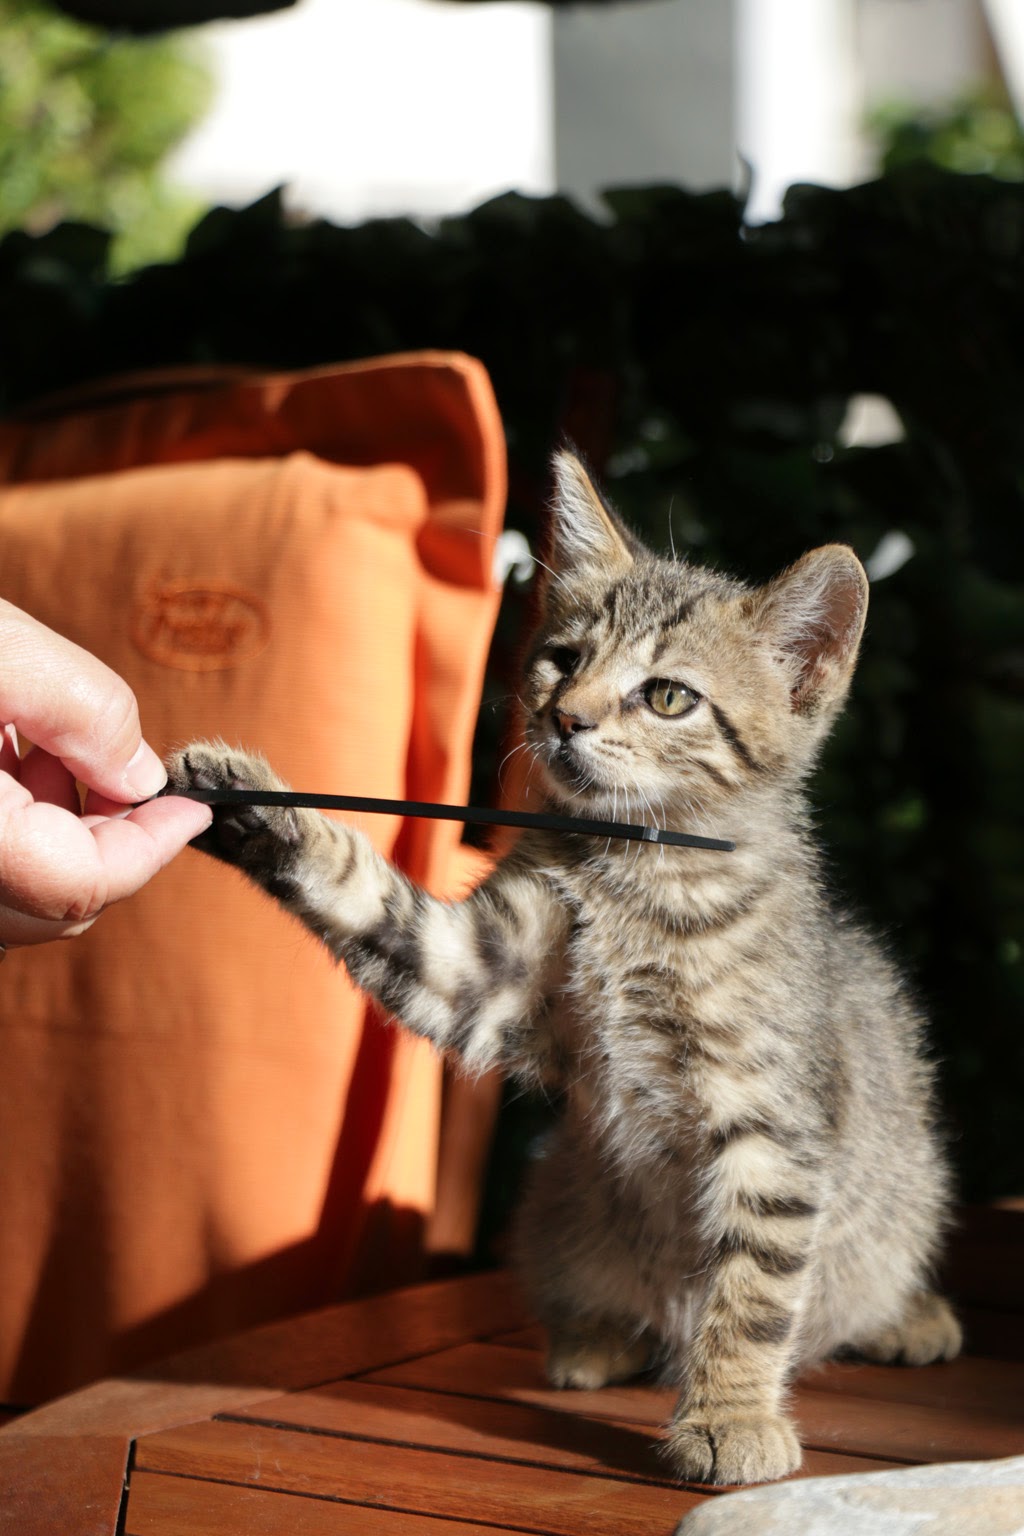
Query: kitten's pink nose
567, 725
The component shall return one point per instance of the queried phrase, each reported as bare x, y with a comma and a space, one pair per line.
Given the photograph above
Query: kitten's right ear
813, 616
587, 540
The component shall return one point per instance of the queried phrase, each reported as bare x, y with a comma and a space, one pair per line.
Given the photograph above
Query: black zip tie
471, 813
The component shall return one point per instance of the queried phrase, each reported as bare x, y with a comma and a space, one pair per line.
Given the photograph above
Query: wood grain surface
425, 1412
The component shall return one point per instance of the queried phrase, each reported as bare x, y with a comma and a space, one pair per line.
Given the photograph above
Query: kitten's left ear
813, 616
587, 539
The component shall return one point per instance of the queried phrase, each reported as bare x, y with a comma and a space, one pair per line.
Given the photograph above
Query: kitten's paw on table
587, 1361
733, 1450
928, 1331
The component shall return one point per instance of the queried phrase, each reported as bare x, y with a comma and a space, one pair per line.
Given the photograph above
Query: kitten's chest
664, 1020
624, 1026
624, 964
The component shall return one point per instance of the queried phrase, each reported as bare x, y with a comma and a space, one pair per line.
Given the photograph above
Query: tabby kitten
745, 1176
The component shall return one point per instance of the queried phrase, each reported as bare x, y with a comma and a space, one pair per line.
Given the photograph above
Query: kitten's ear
586, 538
813, 616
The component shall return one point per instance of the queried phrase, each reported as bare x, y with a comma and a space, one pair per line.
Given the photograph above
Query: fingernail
145, 774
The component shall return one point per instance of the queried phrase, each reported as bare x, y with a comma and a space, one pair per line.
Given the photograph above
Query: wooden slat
513, 1373
909, 1432
83, 1439
326, 1345
178, 1506
473, 1426
508, 1373
508, 1451
890, 1431
399, 1477
125, 1406
991, 1386
533, 1336
61, 1487
303, 1352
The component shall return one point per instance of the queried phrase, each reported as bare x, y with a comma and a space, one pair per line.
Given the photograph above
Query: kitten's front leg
471, 976
729, 1426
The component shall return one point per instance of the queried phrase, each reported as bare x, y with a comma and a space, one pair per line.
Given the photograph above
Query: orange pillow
204, 1124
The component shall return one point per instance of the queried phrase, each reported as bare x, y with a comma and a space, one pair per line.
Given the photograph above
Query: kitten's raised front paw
260, 839
719, 1448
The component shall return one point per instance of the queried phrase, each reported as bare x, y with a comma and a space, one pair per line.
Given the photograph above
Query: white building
367, 107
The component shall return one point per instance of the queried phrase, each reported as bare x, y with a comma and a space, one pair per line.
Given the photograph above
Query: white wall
366, 107
644, 92
798, 96
925, 52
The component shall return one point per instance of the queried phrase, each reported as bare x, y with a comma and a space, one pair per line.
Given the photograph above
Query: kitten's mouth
566, 766
569, 771
566, 772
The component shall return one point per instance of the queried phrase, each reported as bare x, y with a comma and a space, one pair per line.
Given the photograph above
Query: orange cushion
204, 1124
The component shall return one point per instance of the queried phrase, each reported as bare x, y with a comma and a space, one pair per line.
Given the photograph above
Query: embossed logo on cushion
200, 626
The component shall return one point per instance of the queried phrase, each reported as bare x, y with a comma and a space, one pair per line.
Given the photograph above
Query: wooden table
425, 1413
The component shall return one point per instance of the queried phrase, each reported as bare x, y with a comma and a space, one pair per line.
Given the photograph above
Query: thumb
74, 707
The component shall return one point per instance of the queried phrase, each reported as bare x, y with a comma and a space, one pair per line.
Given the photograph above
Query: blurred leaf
979, 135
86, 121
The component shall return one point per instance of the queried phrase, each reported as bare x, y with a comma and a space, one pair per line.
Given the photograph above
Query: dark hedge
705, 369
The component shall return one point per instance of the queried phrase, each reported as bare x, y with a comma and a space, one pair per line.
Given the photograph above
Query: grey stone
964, 1498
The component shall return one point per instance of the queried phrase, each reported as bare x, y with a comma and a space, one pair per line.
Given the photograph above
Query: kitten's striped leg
729, 1426
470, 976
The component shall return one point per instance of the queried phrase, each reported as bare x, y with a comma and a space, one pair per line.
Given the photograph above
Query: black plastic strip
471, 813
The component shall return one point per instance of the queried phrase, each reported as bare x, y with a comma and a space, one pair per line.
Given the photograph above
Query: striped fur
745, 1177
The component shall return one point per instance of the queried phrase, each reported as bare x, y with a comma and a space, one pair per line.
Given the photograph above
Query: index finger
73, 706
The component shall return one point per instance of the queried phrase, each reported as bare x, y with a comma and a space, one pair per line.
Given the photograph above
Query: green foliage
86, 121
705, 369
978, 134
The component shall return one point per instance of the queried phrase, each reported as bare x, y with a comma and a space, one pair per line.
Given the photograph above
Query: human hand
62, 864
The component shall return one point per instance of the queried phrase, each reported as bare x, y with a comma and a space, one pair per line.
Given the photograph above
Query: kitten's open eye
565, 659
668, 698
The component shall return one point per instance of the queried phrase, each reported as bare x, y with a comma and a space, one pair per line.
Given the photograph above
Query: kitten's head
654, 684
